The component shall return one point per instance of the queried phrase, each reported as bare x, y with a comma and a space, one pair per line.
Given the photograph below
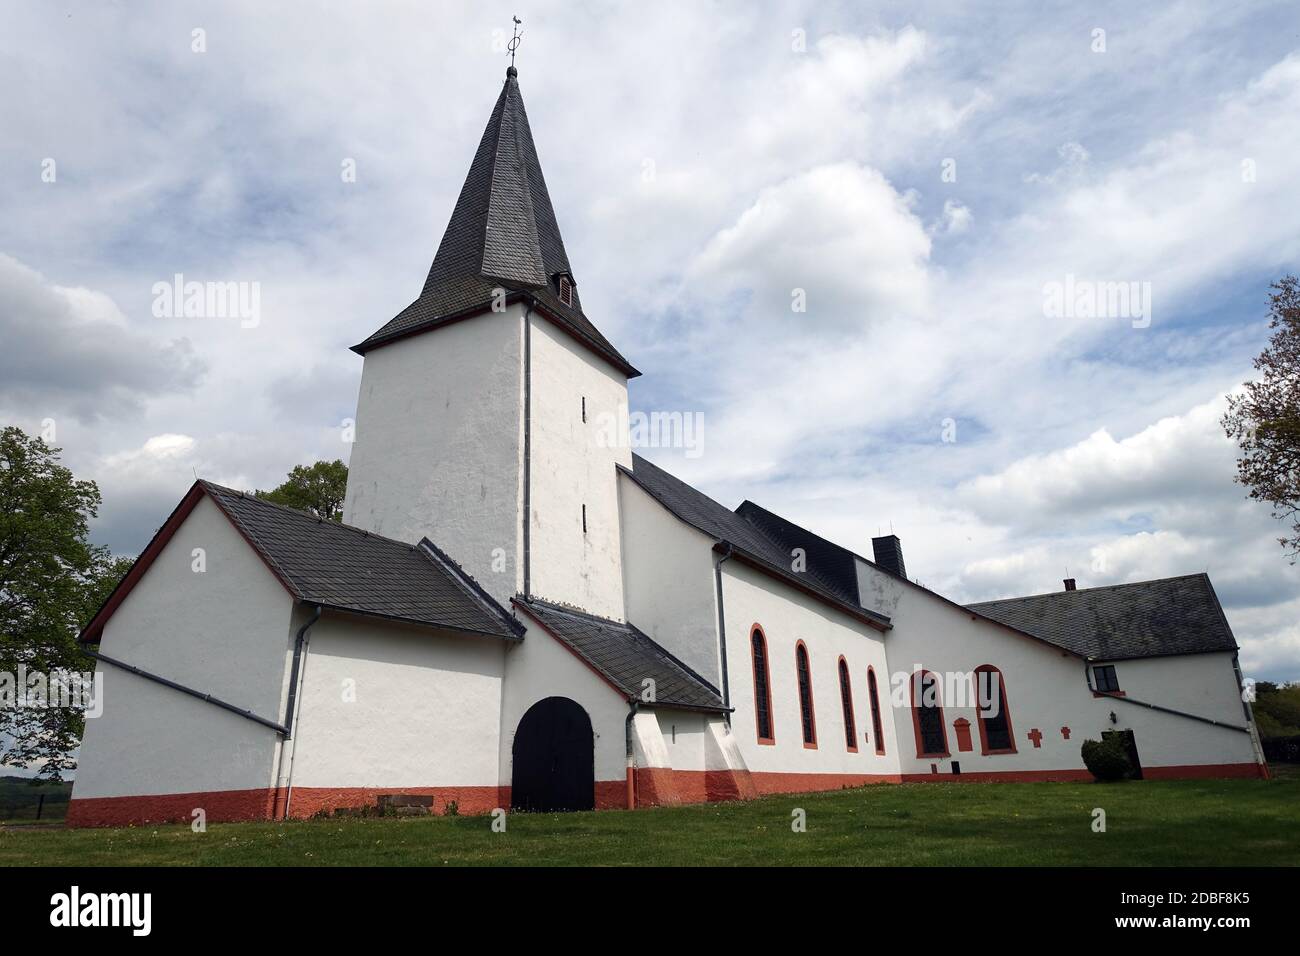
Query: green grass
1176, 823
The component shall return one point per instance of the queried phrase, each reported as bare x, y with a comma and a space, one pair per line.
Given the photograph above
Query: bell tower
483, 420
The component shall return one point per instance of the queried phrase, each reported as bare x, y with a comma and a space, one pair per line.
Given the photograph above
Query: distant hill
20, 796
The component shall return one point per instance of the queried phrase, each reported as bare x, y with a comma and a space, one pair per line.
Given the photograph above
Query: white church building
516, 613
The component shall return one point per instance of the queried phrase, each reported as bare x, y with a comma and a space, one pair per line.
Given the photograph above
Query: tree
51, 582
317, 489
1265, 418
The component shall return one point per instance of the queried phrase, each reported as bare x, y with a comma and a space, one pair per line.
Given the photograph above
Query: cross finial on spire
515, 40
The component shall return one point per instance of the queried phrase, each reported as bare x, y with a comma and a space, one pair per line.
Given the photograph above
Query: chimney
888, 551
1069, 584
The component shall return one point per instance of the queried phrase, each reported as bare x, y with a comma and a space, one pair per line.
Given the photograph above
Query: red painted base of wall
655, 787
309, 801
229, 806
219, 806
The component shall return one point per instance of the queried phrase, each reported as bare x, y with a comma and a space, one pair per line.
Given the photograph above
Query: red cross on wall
1036, 736
1065, 732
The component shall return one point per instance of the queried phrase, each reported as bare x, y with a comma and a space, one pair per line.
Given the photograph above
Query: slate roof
835, 568
752, 533
345, 568
336, 566
626, 656
503, 234
1158, 618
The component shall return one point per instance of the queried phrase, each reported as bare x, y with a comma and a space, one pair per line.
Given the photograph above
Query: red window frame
1006, 712
807, 716
846, 704
873, 696
918, 681
757, 636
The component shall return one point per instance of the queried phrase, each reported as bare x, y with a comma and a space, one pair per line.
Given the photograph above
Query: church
517, 614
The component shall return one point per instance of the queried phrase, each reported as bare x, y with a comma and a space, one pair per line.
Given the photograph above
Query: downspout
631, 753
722, 632
174, 685
299, 650
528, 448
1087, 676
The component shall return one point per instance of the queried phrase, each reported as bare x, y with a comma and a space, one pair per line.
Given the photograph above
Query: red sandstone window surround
762, 686
846, 704
992, 713
807, 714
927, 716
874, 695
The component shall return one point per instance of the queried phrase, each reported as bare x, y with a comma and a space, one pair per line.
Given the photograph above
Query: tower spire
503, 237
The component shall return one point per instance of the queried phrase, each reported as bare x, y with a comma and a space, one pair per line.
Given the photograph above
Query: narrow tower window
584, 409
584, 519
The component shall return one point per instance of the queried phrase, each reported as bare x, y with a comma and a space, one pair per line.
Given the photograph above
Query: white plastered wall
542, 667
385, 704
669, 581
224, 631
788, 616
438, 448
572, 465
1046, 690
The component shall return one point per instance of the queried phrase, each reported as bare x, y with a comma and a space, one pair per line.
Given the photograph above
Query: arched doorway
554, 760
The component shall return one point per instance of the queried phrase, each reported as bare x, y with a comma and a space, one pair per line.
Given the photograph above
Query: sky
834, 230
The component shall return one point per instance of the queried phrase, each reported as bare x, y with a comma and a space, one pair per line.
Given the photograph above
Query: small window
1104, 676
762, 686
584, 519
804, 674
566, 290
846, 704
584, 409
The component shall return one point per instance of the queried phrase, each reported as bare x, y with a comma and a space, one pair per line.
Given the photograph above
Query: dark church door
554, 763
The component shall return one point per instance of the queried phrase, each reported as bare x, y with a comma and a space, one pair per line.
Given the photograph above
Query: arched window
875, 711
996, 735
846, 703
762, 686
809, 719
927, 716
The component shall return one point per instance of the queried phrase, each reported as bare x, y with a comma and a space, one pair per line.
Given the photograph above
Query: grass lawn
1176, 823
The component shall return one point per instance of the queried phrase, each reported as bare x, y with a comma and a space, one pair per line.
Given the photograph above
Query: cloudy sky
923, 172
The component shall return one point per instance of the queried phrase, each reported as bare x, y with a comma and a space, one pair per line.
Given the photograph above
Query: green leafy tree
1277, 709
51, 582
1265, 418
317, 489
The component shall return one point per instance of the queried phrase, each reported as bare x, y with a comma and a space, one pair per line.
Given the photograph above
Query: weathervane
514, 41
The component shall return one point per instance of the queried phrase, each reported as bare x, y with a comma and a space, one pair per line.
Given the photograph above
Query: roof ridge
1095, 587
449, 565
674, 659
304, 515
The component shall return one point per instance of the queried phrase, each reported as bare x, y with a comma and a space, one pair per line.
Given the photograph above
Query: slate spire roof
503, 234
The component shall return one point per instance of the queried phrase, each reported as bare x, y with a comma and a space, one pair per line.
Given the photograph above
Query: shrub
1106, 759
